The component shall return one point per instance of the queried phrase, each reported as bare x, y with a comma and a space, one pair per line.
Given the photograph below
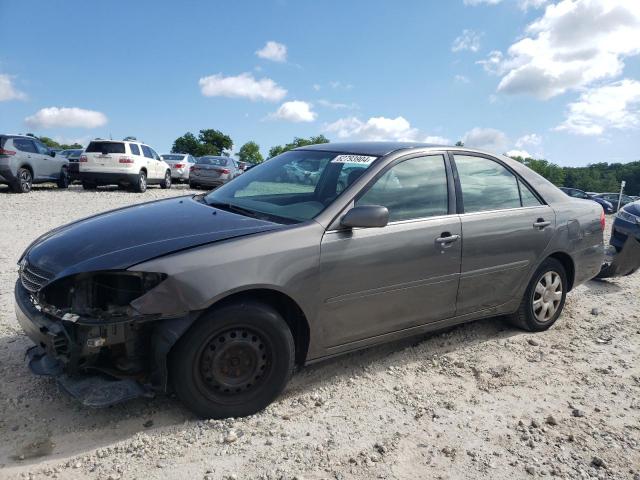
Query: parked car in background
124, 163
180, 164
626, 224
73, 156
25, 160
577, 193
635, 198
218, 296
212, 171
613, 199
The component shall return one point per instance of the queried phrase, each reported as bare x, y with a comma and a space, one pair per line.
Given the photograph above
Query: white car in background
180, 164
126, 163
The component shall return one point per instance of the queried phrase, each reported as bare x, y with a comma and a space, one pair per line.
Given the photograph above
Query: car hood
122, 238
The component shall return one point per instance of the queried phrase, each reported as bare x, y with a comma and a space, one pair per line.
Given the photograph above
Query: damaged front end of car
91, 339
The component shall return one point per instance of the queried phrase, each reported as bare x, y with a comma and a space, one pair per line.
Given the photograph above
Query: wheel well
143, 169
28, 167
285, 306
567, 263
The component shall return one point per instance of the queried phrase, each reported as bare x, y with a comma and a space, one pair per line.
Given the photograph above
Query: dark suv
24, 160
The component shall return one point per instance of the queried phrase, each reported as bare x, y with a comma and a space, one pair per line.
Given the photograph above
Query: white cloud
572, 45
523, 4
380, 129
316, 87
468, 40
616, 105
461, 79
241, 86
518, 153
486, 138
66, 117
274, 51
336, 105
340, 85
295, 111
532, 139
7, 90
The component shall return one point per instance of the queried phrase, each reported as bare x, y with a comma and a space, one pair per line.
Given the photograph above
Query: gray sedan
213, 171
269, 271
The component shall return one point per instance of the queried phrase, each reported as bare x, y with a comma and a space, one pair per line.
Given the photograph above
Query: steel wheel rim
233, 362
167, 179
143, 181
547, 296
25, 180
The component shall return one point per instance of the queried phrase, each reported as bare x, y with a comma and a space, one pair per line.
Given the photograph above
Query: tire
23, 182
141, 182
532, 315
63, 180
89, 185
206, 365
195, 186
166, 183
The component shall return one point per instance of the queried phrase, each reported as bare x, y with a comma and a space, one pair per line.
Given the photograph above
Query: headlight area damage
92, 340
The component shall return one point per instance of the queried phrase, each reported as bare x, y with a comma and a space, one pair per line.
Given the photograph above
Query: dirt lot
480, 401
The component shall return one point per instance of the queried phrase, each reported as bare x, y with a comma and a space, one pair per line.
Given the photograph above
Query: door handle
446, 238
541, 223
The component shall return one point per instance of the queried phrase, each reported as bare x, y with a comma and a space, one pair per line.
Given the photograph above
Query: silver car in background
180, 164
213, 171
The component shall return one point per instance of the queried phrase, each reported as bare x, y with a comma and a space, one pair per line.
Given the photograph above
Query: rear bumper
211, 182
101, 178
180, 174
6, 174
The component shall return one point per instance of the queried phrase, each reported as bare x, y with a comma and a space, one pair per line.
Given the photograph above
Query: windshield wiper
233, 208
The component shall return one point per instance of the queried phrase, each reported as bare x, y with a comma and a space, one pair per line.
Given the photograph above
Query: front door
506, 229
380, 280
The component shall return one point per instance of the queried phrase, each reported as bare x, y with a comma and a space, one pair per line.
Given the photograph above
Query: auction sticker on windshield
359, 159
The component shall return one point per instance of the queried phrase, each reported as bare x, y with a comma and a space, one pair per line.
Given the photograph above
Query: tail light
178, 165
222, 170
602, 220
83, 159
126, 160
7, 152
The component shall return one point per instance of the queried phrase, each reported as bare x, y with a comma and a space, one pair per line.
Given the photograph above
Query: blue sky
556, 79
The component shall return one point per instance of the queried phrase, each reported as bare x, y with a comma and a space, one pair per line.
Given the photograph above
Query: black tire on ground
141, 182
234, 361
543, 299
63, 180
193, 185
89, 185
23, 182
166, 183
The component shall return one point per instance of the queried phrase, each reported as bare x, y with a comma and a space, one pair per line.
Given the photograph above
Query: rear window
172, 158
220, 162
106, 147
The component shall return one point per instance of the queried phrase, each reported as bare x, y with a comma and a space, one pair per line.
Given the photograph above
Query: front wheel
141, 182
234, 361
544, 298
166, 183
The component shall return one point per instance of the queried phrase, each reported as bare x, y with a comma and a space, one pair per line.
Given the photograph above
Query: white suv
125, 163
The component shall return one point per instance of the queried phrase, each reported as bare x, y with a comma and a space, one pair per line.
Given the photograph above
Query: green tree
552, 172
208, 142
187, 143
297, 142
459, 143
250, 152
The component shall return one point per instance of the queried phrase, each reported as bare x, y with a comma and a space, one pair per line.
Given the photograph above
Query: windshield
172, 157
292, 187
217, 161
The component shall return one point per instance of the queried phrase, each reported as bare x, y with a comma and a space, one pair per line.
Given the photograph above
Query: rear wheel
194, 185
23, 182
63, 179
166, 183
544, 298
88, 185
141, 182
234, 361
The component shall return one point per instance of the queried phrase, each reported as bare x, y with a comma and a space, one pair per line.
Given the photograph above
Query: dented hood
121, 238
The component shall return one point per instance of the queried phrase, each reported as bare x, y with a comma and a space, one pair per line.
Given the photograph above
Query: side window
24, 145
415, 188
134, 149
42, 149
155, 155
486, 185
527, 196
146, 151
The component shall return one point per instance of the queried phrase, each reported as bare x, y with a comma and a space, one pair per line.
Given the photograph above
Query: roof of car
377, 149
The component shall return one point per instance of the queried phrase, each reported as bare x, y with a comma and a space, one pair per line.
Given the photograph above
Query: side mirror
366, 216
52, 153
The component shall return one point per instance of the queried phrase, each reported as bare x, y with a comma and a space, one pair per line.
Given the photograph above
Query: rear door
28, 155
381, 280
506, 228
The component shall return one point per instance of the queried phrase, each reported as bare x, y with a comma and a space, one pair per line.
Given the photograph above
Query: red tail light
126, 160
83, 158
178, 165
222, 170
6, 152
602, 220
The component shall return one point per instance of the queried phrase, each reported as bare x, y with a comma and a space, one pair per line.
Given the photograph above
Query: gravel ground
482, 400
